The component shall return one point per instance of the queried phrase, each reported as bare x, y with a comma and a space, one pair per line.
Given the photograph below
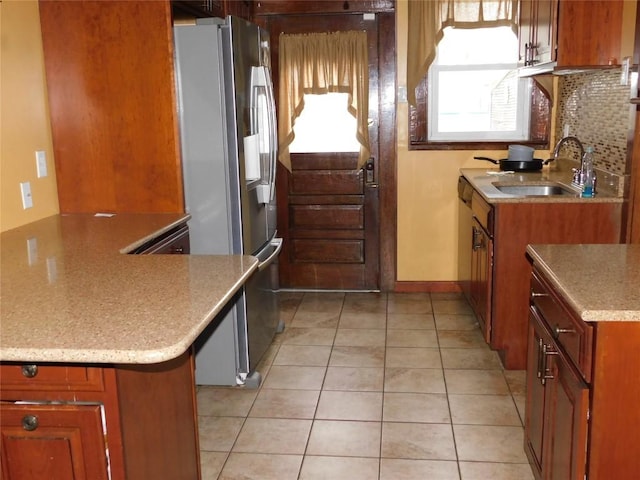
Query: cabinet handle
29, 371
477, 240
536, 294
557, 331
540, 357
29, 423
547, 350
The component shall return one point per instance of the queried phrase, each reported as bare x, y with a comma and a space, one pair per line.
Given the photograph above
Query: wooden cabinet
557, 405
519, 224
51, 421
589, 33
581, 410
573, 33
55, 442
212, 8
482, 263
111, 91
537, 31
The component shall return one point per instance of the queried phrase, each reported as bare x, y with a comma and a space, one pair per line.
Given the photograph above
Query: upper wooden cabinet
111, 88
538, 28
212, 8
573, 33
589, 33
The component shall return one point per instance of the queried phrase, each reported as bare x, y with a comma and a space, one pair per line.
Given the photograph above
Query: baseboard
436, 287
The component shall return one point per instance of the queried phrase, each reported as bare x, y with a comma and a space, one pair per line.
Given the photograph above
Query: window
473, 95
325, 125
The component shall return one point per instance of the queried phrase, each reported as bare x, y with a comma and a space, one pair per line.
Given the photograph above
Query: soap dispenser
588, 174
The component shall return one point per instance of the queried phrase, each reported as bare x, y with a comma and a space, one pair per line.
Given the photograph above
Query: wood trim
387, 164
428, 287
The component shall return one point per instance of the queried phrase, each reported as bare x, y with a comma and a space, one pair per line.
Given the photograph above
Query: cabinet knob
557, 330
537, 294
29, 371
29, 423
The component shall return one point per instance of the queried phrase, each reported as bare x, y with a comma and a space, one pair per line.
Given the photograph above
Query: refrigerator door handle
276, 242
273, 132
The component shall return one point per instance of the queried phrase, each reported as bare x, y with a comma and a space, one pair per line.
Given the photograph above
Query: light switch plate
25, 190
41, 163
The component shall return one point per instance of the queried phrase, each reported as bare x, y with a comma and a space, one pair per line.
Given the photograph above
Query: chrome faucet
578, 173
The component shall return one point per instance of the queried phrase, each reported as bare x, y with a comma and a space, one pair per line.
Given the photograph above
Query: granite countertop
69, 293
601, 282
483, 179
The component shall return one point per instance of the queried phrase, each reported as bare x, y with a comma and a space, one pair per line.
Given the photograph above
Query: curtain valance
428, 18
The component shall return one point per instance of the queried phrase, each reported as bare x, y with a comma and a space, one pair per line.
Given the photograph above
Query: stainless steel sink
535, 190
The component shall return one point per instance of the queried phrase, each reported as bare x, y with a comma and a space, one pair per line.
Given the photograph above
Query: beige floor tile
412, 338
517, 381
273, 435
408, 303
461, 339
211, 464
354, 379
483, 410
448, 321
495, 471
410, 321
218, 434
458, 307
489, 382
313, 319
401, 357
363, 320
252, 466
336, 405
402, 469
360, 337
481, 443
365, 303
339, 468
447, 296
470, 358
285, 404
303, 355
416, 407
347, 439
225, 401
346, 356
427, 441
308, 336
295, 378
417, 380
322, 302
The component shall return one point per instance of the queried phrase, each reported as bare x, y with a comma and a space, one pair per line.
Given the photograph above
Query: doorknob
370, 173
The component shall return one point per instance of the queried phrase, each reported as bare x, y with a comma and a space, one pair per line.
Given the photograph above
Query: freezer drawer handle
276, 242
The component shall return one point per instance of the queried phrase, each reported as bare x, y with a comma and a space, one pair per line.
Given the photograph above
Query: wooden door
566, 455
52, 442
328, 213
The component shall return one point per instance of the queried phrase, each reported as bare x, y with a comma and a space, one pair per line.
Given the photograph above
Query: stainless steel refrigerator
229, 149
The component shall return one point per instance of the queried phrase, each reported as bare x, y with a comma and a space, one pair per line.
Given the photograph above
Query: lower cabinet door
55, 442
567, 454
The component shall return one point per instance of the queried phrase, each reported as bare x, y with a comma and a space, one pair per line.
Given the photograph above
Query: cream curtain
320, 63
428, 18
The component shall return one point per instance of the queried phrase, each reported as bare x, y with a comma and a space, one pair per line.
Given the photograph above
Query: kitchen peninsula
95, 346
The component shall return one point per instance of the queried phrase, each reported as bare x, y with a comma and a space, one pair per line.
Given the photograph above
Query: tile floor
367, 386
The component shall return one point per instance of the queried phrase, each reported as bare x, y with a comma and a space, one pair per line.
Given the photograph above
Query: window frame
537, 120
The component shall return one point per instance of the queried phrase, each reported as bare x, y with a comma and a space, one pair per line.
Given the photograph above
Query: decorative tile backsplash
596, 108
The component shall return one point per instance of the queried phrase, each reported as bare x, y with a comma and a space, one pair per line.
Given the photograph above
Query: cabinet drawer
46, 380
483, 212
572, 335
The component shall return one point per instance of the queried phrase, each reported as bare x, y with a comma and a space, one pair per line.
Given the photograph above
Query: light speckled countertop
74, 296
483, 179
601, 282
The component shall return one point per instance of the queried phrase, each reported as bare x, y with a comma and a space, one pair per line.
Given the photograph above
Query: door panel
327, 214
